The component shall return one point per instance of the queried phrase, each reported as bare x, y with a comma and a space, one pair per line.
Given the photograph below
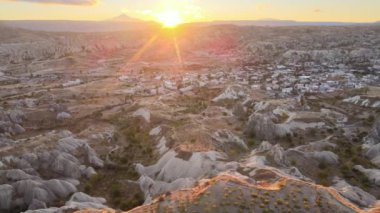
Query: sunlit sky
193, 10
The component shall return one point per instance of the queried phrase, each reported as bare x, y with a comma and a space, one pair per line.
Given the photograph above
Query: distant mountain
264, 22
125, 18
124, 22
279, 23
121, 23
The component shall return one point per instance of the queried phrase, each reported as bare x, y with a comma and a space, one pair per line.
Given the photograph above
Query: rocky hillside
245, 119
260, 190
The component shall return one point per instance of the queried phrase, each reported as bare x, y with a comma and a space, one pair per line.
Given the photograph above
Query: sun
169, 18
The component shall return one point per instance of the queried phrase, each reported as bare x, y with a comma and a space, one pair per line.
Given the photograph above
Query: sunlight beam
178, 52
137, 56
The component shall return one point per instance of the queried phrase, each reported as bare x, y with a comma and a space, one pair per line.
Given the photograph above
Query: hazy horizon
200, 21
192, 10
183, 106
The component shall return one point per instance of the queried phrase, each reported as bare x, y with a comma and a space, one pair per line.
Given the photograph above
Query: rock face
263, 128
161, 146
371, 145
240, 111
231, 93
4, 141
305, 157
82, 197
10, 121
65, 164
80, 200
326, 157
72, 83
337, 116
155, 131
170, 167
60, 188
24, 188
309, 158
261, 106
372, 174
87, 172
144, 113
270, 126
152, 187
77, 201
354, 194
226, 137
6, 193
243, 190
258, 156
70, 144
17, 174
45, 49
44, 191
316, 146
63, 116
373, 153
357, 100
274, 152
36, 204
172, 172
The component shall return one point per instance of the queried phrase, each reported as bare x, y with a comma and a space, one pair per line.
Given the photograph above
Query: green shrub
322, 166
251, 142
115, 190
87, 187
94, 179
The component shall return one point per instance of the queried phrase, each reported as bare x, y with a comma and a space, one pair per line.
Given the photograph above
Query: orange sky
194, 10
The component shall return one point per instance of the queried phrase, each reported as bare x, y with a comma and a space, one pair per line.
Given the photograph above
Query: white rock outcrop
155, 131
78, 200
225, 136
70, 144
10, 121
83, 197
64, 162
265, 149
231, 93
263, 128
372, 174
46, 191
17, 174
365, 102
171, 167
161, 146
63, 116
371, 145
144, 113
327, 157
72, 83
353, 193
171, 172
6, 193
151, 187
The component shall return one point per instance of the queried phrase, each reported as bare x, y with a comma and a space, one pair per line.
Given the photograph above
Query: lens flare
169, 18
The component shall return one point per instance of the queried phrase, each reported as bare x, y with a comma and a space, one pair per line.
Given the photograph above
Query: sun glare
169, 18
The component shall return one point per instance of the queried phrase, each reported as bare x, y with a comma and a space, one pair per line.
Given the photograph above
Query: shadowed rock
354, 194
6, 192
